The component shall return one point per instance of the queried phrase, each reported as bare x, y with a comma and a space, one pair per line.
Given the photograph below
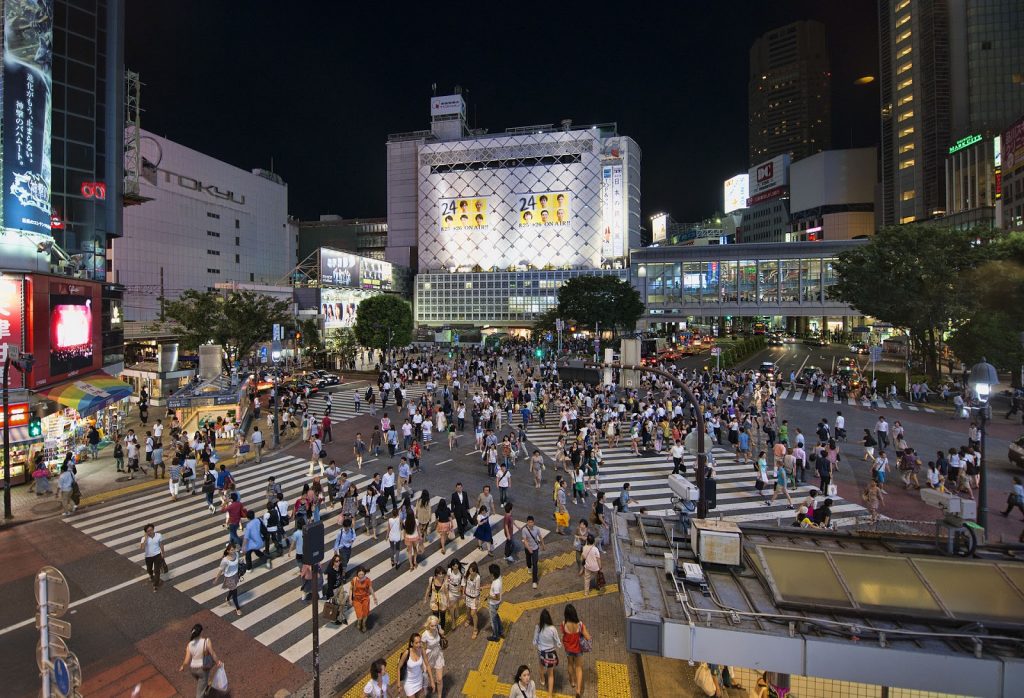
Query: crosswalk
273, 612
343, 404
799, 394
647, 475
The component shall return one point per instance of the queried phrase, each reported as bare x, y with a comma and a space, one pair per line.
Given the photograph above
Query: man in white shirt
494, 602
152, 544
677, 451
257, 443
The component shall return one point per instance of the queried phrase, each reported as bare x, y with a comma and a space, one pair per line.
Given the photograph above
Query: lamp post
983, 376
641, 272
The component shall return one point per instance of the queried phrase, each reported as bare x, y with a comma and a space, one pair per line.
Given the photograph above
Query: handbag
219, 680
332, 610
76, 492
444, 642
599, 580
244, 448
832, 490
704, 680
323, 452
585, 644
207, 657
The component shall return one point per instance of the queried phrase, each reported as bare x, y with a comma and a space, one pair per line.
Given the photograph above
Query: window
909, 114
901, 20
238, 259
236, 224
903, 37
905, 84
905, 51
905, 99
908, 219
213, 252
904, 164
900, 5
906, 131
213, 215
906, 147
213, 234
908, 195
213, 271
238, 241
469, 284
252, 276
905, 67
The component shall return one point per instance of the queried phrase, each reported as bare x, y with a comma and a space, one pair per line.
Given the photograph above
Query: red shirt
235, 512
326, 422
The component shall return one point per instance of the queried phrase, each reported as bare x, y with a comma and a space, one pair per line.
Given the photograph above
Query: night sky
318, 86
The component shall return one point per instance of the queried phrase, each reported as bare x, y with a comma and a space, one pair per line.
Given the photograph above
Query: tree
343, 343
913, 276
608, 300
384, 322
237, 321
311, 340
545, 322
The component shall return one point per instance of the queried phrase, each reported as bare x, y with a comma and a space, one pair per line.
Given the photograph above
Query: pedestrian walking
411, 535
433, 642
229, 571
591, 569
361, 591
66, 485
1015, 498
460, 509
201, 659
533, 543
257, 443
576, 640
523, 685
394, 536
412, 667
443, 519
379, 685
436, 595
547, 640
471, 590
494, 598
873, 499
152, 544
455, 580
253, 540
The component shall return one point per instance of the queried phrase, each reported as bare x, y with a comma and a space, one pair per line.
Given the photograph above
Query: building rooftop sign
965, 142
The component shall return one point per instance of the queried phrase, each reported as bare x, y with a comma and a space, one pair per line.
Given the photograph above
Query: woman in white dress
456, 580
433, 641
412, 664
471, 590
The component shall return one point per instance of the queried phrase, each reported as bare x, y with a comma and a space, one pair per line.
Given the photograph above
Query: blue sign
263, 355
61, 676
28, 57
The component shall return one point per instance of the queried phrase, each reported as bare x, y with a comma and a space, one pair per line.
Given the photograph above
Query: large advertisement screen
28, 57
374, 275
612, 210
659, 227
548, 208
338, 306
1013, 148
70, 333
11, 315
338, 268
737, 190
465, 214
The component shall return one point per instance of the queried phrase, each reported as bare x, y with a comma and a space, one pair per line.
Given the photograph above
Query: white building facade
205, 223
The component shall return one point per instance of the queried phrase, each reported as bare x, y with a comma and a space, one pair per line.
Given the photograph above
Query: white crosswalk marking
800, 394
343, 405
737, 498
270, 599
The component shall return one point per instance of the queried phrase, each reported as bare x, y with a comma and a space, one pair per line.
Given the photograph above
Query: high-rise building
951, 77
364, 236
790, 110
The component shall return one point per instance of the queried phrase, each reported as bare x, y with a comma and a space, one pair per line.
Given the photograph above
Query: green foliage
343, 343
545, 322
311, 338
237, 321
914, 276
384, 322
608, 300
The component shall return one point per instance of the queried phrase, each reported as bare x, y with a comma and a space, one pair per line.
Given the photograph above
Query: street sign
313, 543
277, 333
263, 355
58, 648
716, 351
57, 594
875, 352
61, 677
61, 628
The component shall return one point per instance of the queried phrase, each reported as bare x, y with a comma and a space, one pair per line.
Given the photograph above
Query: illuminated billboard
464, 214
11, 321
659, 227
613, 212
28, 58
338, 306
66, 327
737, 190
768, 180
374, 275
549, 208
338, 268
70, 333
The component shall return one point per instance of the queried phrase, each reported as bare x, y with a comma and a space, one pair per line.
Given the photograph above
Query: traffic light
35, 427
539, 352
298, 336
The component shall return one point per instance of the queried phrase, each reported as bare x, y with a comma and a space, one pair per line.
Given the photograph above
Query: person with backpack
254, 540
622, 501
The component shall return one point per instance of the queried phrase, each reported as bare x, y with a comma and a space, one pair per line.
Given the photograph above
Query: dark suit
460, 508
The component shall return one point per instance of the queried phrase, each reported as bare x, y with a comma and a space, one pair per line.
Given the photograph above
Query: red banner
11, 322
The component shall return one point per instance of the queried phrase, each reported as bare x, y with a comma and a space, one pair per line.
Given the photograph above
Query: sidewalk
100, 481
483, 669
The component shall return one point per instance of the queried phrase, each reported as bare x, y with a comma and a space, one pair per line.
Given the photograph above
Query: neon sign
964, 142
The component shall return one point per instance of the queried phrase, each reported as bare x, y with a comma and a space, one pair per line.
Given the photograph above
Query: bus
760, 328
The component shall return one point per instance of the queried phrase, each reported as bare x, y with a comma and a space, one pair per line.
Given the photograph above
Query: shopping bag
832, 490
704, 680
219, 680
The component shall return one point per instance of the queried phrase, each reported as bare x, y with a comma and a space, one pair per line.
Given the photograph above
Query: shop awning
89, 394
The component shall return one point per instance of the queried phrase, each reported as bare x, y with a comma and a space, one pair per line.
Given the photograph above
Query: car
806, 374
1016, 454
858, 348
767, 369
815, 341
300, 385
324, 379
789, 338
847, 362
776, 341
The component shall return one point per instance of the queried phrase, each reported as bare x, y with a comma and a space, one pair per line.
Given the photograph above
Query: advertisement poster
374, 275
71, 325
465, 214
659, 227
338, 268
11, 307
612, 211
338, 306
737, 191
549, 208
28, 56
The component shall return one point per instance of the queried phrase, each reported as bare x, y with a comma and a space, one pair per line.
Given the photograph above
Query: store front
217, 402
23, 446
98, 399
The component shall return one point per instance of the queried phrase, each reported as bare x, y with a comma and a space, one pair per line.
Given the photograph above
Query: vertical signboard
659, 227
28, 57
11, 314
612, 211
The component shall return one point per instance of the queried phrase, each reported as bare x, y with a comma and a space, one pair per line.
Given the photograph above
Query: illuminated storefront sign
964, 142
94, 190
28, 57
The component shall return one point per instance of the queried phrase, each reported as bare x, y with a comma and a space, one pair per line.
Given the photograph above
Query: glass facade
500, 298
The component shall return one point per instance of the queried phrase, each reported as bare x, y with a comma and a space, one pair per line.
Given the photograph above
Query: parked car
1016, 454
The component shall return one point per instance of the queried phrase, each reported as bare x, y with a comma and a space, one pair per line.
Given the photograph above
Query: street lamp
641, 272
983, 376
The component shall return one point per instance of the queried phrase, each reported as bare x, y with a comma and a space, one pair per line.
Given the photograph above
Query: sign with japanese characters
28, 58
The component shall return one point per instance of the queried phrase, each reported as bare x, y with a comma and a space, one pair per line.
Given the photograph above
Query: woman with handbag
436, 596
229, 569
360, 595
434, 644
547, 640
591, 563
576, 640
412, 668
200, 659
580, 540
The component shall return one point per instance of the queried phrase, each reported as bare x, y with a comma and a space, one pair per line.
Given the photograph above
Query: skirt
444, 526
412, 539
483, 533
230, 582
